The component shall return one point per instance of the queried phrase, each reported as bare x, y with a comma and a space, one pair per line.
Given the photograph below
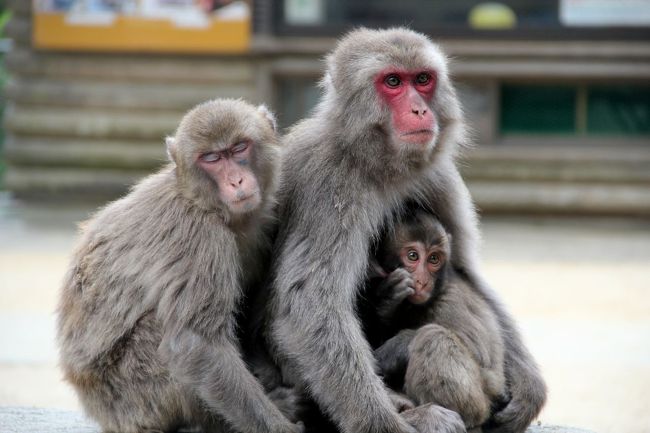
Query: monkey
386, 131
147, 320
434, 338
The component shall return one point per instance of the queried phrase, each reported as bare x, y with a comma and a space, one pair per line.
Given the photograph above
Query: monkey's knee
442, 371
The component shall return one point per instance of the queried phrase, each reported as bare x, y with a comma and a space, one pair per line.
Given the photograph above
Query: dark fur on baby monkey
434, 338
147, 316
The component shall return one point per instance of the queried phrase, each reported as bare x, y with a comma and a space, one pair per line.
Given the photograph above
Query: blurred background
557, 94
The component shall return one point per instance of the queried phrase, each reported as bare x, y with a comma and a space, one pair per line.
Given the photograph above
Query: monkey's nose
419, 111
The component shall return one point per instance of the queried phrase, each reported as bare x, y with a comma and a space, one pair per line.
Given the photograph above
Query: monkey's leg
129, 390
442, 371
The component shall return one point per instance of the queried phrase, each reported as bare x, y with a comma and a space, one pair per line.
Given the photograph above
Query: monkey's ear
170, 142
269, 116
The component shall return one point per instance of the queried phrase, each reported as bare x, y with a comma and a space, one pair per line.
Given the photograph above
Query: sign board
183, 26
604, 13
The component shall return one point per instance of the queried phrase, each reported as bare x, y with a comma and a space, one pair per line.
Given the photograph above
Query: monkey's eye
239, 147
423, 79
210, 157
412, 255
392, 81
434, 259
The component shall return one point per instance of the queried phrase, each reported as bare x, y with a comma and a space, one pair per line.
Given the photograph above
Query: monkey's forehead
224, 120
369, 51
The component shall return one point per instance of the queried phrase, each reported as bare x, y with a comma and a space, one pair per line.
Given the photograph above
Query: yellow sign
182, 26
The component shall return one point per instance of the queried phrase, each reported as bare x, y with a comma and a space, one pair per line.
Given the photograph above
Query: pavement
579, 288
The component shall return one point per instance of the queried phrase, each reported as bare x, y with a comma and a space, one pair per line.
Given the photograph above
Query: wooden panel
117, 94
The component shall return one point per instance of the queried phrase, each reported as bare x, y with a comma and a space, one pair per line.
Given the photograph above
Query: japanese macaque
435, 339
386, 132
147, 316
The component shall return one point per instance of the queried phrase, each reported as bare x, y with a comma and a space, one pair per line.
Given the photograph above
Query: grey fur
146, 323
342, 179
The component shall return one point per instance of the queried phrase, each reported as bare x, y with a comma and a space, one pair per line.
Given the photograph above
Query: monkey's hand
393, 356
528, 395
430, 418
397, 286
289, 401
400, 401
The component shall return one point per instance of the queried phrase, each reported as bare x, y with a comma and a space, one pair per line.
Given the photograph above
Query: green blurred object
618, 110
492, 16
544, 109
5, 15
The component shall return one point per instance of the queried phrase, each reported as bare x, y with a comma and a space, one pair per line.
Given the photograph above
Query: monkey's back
461, 310
128, 261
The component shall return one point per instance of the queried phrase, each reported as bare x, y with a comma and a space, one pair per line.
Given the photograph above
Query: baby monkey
435, 338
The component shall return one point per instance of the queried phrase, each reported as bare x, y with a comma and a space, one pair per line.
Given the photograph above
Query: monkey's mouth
243, 199
418, 136
248, 201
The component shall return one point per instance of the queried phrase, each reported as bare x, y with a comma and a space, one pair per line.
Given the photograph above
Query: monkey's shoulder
152, 218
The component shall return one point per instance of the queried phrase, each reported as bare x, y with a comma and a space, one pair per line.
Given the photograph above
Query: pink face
409, 95
230, 169
423, 264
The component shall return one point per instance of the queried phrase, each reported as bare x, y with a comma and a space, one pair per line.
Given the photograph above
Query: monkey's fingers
400, 401
431, 418
405, 292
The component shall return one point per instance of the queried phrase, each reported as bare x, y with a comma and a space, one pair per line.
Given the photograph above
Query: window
571, 109
618, 110
538, 109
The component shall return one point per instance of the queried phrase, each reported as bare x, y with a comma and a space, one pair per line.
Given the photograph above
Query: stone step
73, 152
561, 198
69, 184
132, 68
73, 92
47, 420
519, 163
560, 171
90, 123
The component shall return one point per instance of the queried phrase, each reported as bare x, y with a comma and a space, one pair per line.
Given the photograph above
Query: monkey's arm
453, 205
393, 356
199, 344
316, 327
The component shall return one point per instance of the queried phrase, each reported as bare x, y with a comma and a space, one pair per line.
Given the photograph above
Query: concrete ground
580, 289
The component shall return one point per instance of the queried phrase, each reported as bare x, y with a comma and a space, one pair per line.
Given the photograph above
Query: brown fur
447, 351
146, 324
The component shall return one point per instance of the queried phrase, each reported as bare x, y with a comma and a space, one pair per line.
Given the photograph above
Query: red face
409, 95
230, 169
423, 264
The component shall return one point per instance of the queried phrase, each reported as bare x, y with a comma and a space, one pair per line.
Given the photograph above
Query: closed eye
210, 157
239, 147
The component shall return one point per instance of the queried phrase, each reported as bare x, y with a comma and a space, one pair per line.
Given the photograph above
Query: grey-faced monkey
385, 132
435, 339
147, 315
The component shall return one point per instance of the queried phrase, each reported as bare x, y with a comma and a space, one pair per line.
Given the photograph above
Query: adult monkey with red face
386, 131
147, 317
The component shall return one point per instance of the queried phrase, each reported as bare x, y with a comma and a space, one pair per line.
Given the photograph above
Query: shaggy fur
146, 324
342, 180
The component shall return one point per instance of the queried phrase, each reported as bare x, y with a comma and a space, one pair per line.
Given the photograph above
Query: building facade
557, 94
